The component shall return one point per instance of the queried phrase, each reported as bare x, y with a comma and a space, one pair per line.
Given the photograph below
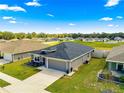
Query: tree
34, 34
20, 35
8, 35
29, 36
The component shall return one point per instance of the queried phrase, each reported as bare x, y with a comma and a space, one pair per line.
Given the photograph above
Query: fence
100, 53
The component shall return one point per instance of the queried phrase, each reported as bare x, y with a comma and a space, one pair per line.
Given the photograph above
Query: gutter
114, 61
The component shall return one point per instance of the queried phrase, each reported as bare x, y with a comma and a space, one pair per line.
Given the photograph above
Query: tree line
10, 35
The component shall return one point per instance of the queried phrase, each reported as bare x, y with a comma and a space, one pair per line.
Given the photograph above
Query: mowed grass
19, 69
84, 80
3, 83
99, 45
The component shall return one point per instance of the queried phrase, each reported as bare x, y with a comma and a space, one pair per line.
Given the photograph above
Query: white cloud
106, 19
119, 17
51, 15
111, 3
116, 25
58, 28
33, 3
112, 25
12, 22
11, 8
8, 18
71, 24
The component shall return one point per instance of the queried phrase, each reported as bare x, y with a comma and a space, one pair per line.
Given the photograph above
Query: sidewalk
9, 79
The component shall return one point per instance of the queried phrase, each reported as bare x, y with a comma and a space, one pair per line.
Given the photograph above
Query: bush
121, 79
108, 75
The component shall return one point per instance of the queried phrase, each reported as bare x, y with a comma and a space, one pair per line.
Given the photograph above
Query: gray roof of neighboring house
21, 46
66, 50
117, 54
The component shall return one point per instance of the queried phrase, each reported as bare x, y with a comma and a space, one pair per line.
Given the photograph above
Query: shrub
121, 79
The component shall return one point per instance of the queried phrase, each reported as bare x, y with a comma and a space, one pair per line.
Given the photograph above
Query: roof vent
47, 51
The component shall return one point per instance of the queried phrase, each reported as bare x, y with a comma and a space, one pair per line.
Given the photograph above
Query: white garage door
7, 56
58, 65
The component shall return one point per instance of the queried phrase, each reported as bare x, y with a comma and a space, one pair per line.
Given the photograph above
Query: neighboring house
88, 40
16, 50
106, 39
69, 39
66, 56
115, 59
53, 39
118, 39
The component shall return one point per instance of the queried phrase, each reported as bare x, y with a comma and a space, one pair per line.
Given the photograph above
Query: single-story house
89, 40
118, 39
115, 59
16, 50
66, 56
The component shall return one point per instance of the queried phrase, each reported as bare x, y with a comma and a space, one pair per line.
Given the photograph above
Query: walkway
9, 79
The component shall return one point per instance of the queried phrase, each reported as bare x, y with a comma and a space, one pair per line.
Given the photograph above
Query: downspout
12, 57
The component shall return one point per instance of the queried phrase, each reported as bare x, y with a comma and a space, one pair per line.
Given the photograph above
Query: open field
84, 80
19, 69
100, 45
3, 83
96, 45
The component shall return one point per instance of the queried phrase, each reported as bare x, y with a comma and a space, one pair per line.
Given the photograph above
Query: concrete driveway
36, 83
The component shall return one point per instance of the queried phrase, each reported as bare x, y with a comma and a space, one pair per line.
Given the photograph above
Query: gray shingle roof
117, 54
67, 50
21, 46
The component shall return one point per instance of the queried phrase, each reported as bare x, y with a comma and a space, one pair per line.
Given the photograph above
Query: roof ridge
66, 51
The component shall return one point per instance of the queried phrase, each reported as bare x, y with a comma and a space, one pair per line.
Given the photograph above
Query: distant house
88, 40
115, 59
106, 39
66, 56
118, 39
16, 50
53, 39
69, 39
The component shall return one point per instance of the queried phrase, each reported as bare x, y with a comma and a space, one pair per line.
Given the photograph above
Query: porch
117, 69
38, 60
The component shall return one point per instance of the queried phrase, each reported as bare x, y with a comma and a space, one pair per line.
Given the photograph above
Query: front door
120, 67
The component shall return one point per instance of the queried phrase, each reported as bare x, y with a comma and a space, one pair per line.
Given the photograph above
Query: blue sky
62, 16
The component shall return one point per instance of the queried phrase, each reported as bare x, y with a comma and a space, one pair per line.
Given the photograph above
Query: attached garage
58, 65
66, 56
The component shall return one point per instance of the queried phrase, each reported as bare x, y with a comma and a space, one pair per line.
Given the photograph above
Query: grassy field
96, 45
84, 81
3, 83
19, 69
100, 45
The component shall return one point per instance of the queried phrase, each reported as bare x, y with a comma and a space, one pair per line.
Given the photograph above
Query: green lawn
100, 45
19, 69
84, 80
3, 83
